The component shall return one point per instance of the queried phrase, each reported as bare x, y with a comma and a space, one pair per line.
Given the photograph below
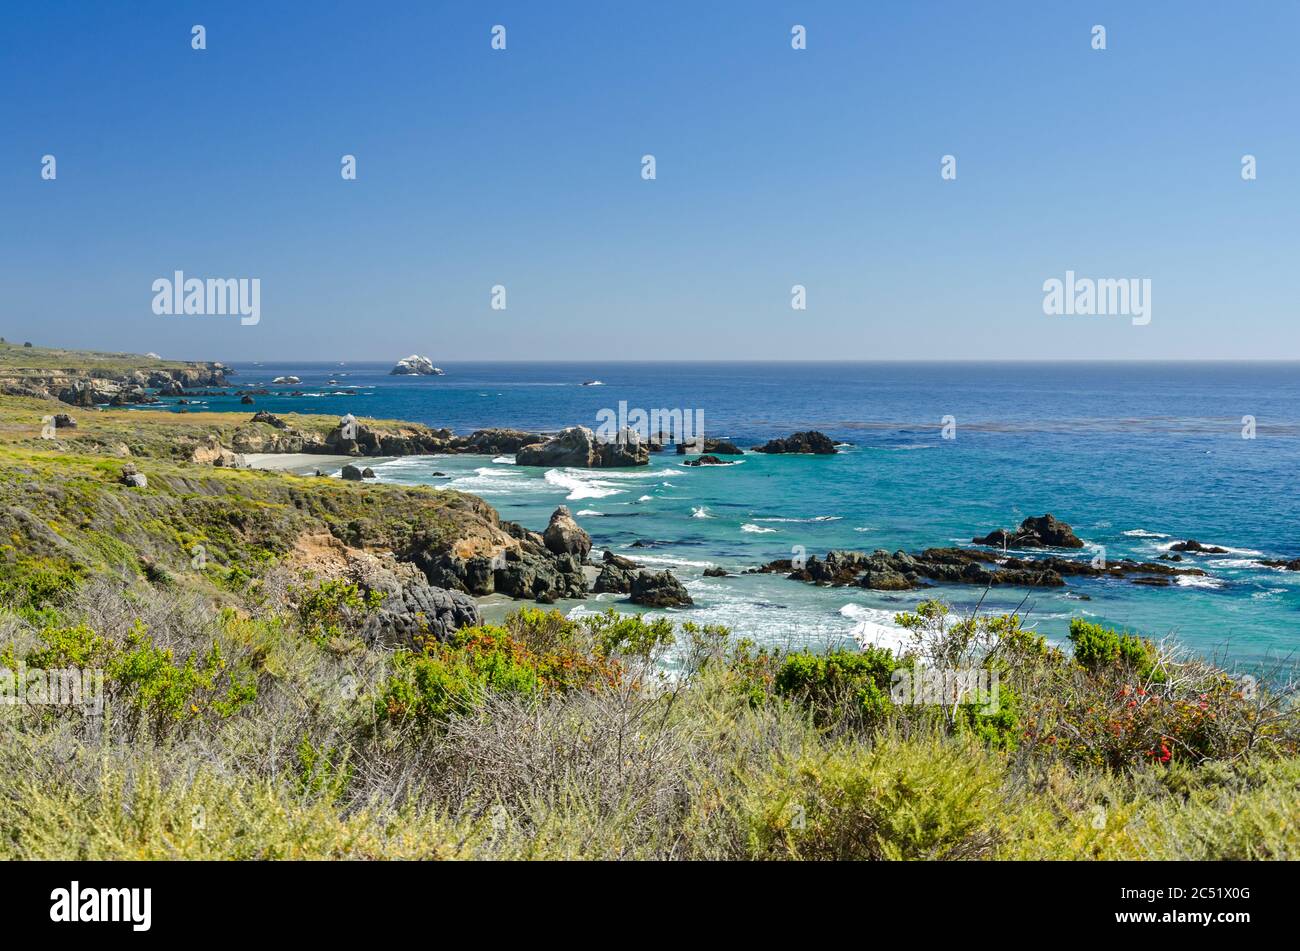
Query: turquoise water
1133, 456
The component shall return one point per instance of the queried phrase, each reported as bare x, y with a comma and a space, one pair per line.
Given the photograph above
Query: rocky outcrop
811, 442
715, 573
133, 477
418, 612
563, 536
351, 473
719, 447
262, 416
1043, 531
92, 378
411, 611
901, 571
707, 461
64, 421
577, 447
1292, 564
415, 365
616, 574
658, 590
210, 452
492, 441
519, 565
1192, 546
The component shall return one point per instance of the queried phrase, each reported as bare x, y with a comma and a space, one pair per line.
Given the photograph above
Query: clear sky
775, 167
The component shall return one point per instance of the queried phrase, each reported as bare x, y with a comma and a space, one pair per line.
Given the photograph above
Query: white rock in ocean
286, 379
415, 365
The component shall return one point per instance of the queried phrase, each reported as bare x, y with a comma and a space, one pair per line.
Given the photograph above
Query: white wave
590, 513
636, 555
1143, 533
875, 627
1226, 549
864, 528
1268, 593
604, 474
1198, 581
646, 498
504, 460
1235, 563
700, 511
579, 488
815, 518
752, 528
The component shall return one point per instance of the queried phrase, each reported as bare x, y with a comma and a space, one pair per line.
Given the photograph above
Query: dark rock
715, 573
1193, 546
64, 421
262, 416
708, 461
246, 400
493, 441
1292, 565
614, 579
901, 571
719, 447
351, 473
578, 447
1034, 532
619, 561
659, 590
563, 536
417, 613
807, 442
367, 473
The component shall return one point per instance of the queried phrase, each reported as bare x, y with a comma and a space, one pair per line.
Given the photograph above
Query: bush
334, 611
453, 678
928, 798
839, 683
1097, 648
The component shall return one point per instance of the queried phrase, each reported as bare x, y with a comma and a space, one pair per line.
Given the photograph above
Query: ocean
1133, 456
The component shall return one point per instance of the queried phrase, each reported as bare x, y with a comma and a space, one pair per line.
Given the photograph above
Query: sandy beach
305, 463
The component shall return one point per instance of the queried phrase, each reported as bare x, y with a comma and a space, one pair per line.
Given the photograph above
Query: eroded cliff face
90, 385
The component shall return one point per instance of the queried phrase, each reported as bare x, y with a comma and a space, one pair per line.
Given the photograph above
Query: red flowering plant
1123, 700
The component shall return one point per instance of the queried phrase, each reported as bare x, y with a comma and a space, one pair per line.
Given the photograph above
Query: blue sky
775, 167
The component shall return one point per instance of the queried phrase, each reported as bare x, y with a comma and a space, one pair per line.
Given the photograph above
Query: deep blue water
1134, 456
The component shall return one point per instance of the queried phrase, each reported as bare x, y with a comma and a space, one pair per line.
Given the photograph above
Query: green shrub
925, 798
335, 610
839, 683
1097, 648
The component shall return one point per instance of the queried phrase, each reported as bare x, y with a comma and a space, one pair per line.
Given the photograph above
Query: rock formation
577, 447
812, 442
1043, 531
